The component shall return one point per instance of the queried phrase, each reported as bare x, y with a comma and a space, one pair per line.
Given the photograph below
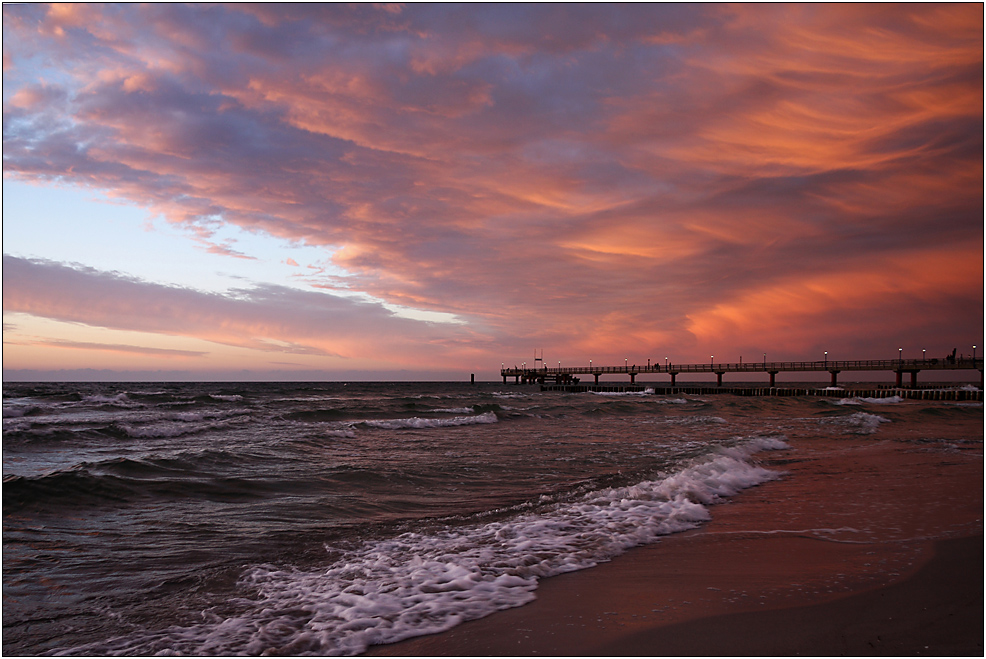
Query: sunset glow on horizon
426, 191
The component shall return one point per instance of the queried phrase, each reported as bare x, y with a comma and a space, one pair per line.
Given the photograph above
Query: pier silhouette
543, 374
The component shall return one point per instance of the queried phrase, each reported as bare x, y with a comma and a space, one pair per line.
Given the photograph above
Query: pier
567, 376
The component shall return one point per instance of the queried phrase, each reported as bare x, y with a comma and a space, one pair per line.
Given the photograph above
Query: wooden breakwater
952, 394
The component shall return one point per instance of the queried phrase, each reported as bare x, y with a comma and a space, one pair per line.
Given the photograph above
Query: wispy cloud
268, 319
113, 347
590, 177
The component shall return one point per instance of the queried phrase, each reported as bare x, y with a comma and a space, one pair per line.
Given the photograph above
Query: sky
422, 192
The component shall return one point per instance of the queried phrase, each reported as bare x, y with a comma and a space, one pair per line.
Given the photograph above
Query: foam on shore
413, 584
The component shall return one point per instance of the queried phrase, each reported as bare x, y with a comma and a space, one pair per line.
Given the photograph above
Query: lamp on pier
826, 359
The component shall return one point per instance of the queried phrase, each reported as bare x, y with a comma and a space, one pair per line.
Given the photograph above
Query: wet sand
867, 546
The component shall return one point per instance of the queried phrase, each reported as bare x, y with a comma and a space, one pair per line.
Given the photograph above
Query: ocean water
321, 518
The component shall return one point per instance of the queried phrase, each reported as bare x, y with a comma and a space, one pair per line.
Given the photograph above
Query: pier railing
905, 365
899, 366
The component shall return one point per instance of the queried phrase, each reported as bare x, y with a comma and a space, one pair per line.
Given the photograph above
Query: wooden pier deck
567, 375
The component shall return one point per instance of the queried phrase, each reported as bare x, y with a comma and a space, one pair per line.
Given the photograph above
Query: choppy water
322, 518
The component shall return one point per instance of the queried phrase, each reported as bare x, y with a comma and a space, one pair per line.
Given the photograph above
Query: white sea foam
455, 410
859, 423
417, 422
646, 392
500, 394
414, 584
856, 400
177, 429
120, 399
18, 410
883, 401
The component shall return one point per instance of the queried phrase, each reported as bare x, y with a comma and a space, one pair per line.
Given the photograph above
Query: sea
322, 518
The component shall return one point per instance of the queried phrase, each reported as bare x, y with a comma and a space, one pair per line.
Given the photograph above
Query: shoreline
867, 546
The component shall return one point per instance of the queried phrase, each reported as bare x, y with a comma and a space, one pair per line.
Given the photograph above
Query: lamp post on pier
826, 359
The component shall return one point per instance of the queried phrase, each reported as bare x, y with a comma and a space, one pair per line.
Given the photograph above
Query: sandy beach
867, 546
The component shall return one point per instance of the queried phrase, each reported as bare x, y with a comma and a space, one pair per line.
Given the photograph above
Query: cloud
592, 176
267, 318
114, 347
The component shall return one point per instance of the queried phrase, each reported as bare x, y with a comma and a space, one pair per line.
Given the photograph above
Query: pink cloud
599, 178
269, 319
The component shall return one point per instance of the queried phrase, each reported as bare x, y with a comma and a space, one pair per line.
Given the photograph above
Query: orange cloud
588, 175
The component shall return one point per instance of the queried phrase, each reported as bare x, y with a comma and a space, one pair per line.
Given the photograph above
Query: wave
124, 481
696, 420
16, 411
317, 415
119, 400
873, 401
859, 423
418, 422
646, 392
178, 428
226, 397
414, 584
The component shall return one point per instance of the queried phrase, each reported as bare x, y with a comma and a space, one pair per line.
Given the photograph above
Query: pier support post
914, 379
596, 375
673, 373
773, 374
633, 377
834, 378
900, 375
718, 378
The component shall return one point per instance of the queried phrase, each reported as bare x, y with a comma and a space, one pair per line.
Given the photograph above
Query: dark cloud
583, 173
